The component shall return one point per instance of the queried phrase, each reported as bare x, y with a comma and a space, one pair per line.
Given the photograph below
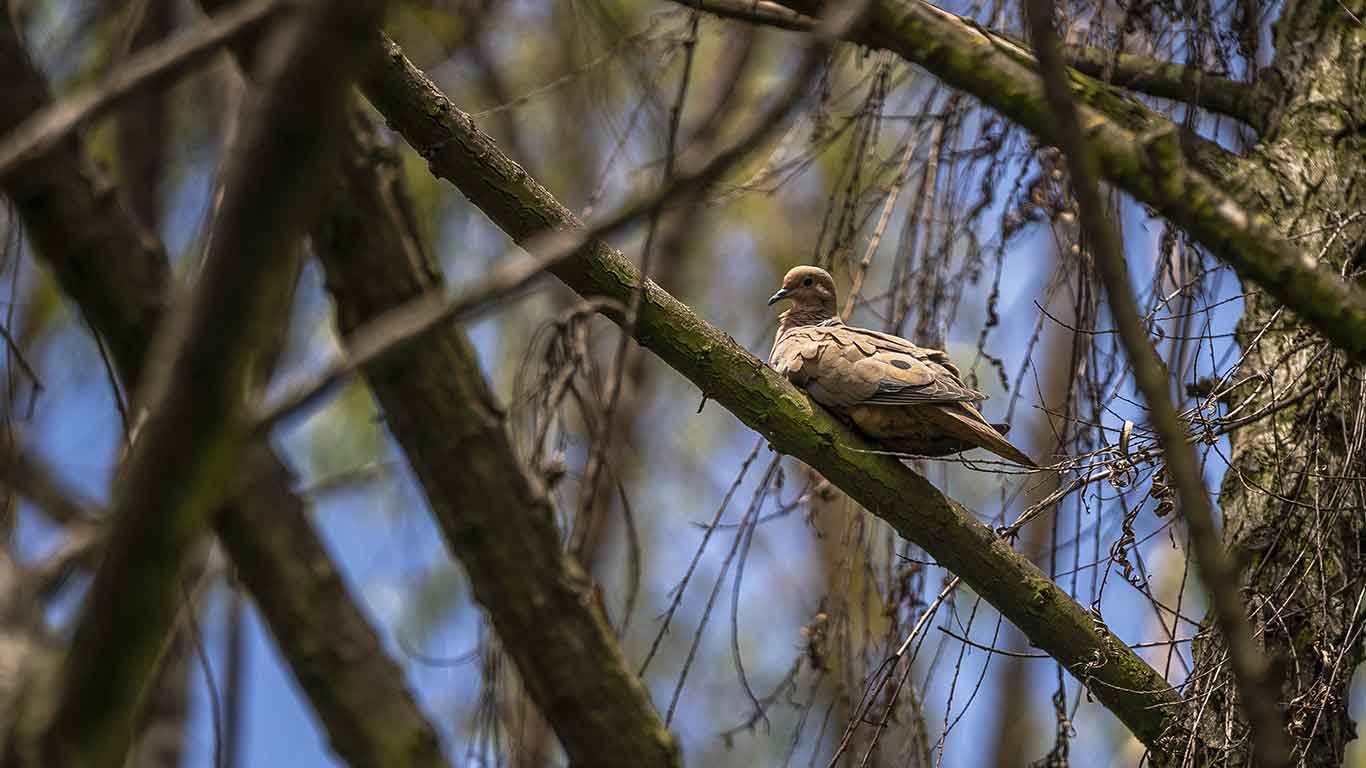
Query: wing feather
842, 365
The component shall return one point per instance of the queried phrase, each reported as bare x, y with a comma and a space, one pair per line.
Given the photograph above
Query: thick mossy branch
727, 373
1169, 80
183, 464
497, 519
1186, 179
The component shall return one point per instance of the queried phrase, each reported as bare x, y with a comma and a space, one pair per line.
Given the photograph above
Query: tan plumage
909, 399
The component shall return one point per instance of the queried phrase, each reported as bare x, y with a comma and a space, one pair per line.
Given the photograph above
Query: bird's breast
892, 421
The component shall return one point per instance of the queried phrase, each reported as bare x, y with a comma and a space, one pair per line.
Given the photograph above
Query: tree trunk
1292, 498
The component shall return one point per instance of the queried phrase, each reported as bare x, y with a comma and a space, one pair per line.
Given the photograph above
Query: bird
907, 398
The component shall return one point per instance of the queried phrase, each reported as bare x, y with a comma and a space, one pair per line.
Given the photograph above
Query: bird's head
811, 291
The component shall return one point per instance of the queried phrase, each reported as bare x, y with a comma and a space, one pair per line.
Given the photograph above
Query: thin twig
1256, 692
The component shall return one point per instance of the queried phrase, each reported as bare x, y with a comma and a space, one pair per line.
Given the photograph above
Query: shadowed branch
205, 361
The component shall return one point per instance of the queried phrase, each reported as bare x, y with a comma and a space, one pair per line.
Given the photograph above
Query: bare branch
34, 479
354, 687
1256, 691
728, 374
1169, 80
113, 267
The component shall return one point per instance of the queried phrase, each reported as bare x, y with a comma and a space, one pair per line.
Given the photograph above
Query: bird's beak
777, 297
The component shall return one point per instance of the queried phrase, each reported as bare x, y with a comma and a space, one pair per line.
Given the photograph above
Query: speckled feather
841, 365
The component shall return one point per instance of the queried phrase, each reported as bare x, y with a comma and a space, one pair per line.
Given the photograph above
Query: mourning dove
907, 398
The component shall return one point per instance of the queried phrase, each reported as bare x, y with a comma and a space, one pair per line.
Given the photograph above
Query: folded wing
843, 366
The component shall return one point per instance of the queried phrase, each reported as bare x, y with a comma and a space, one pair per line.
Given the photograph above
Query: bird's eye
807, 282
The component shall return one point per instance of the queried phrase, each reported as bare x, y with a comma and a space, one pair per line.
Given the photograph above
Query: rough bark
496, 516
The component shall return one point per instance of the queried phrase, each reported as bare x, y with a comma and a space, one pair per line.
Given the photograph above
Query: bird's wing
841, 366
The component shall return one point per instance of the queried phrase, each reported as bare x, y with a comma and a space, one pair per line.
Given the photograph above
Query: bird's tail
964, 422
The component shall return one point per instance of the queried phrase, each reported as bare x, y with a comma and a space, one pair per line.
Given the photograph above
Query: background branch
355, 688
496, 517
110, 264
266, 533
150, 68
196, 428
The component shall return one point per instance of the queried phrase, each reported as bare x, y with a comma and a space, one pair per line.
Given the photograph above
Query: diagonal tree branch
1137, 73
1256, 692
114, 268
32, 478
354, 687
1184, 178
460, 153
336, 656
1169, 80
181, 466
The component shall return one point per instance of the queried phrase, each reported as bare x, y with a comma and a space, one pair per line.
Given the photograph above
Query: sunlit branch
457, 151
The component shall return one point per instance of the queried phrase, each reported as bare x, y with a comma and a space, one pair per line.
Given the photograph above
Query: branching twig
1256, 691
